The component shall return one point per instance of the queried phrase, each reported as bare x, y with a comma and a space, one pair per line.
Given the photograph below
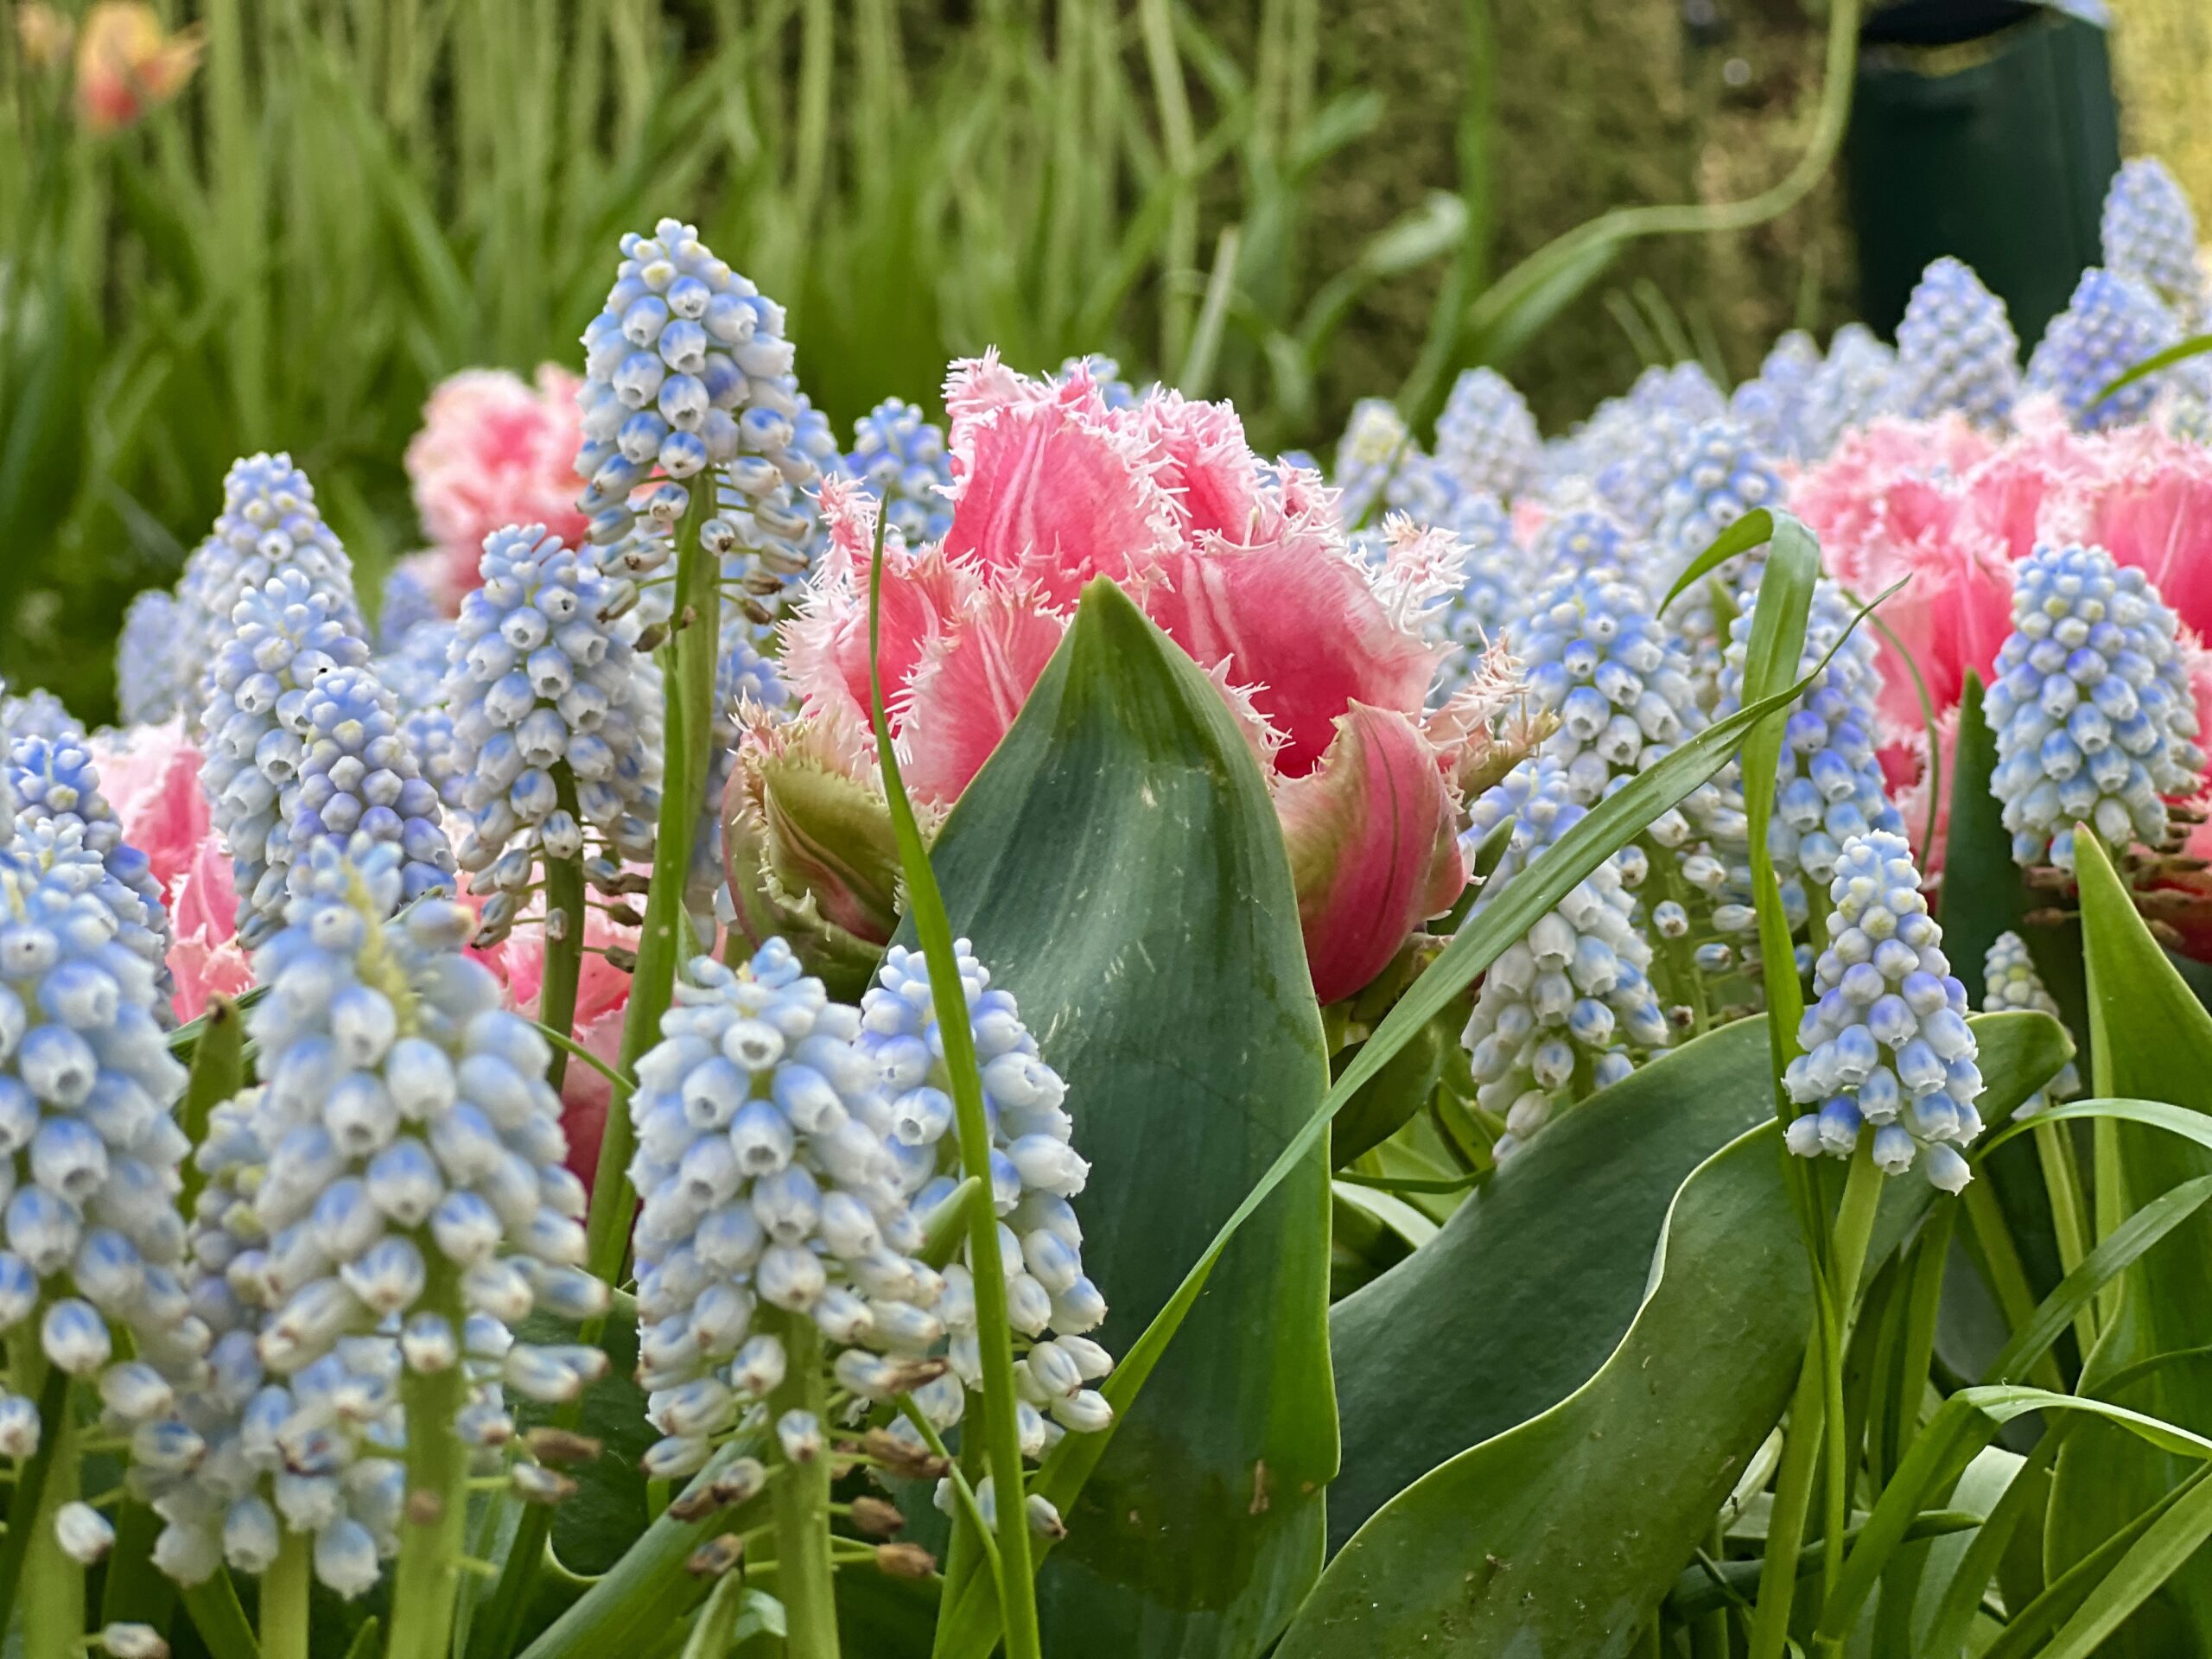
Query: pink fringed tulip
1321, 657
494, 451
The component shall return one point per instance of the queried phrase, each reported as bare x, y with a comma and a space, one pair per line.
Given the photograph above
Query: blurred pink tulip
127, 64
494, 451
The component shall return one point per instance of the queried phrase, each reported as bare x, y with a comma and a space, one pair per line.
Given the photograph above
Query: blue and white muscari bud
544, 678
903, 460
769, 1180
1829, 784
1717, 476
1887, 1049
93, 1237
1625, 451
1956, 351
1594, 655
1032, 1139
269, 526
286, 635
353, 775
2149, 233
1487, 438
1566, 1009
1376, 445
1587, 541
54, 782
1491, 592
150, 683
685, 366
1856, 382
2010, 984
2091, 707
1770, 406
2111, 323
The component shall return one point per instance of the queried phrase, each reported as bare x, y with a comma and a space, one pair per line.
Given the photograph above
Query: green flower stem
715, 1632
798, 1498
26, 1501
217, 1071
1683, 983
426, 1585
564, 956
2062, 1179
994, 1329
52, 1592
284, 1599
1793, 1497
1854, 1226
687, 667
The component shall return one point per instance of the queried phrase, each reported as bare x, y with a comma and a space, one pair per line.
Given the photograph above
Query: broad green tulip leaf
1530, 1286
1118, 866
2151, 1038
1518, 1547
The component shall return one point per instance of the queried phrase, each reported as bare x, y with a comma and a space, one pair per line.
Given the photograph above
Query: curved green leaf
2149, 1039
1118, 865
2193, 345
1520, 1546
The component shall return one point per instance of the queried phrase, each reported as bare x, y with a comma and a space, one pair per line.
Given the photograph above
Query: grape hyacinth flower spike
417, 1206
1566, 1009
2111, 323
903, 460
2091, 707
90, 1285
2149, 233
1487, 438
1886, 1042
1956, 350
556, 730
2010, 984
1376, 445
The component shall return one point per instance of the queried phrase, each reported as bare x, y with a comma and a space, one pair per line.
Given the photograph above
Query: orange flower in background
45, 33
126, 64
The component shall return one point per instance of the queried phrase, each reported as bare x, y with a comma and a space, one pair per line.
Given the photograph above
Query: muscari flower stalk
2010, 984
301, 745
555, 726
1956, 350
2093, 717
53, 781
1770, 406
1566, 1010
1487, 438
1718, 475
269, 526
2149, 233
686, 366
149, 683
2111, 323
1376, 445
90, 1285
416, 1206
903, 460
1856, 382
1886, 1041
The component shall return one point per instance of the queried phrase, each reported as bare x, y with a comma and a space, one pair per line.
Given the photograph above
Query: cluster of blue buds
2010, 984
302, 744
1855, 382
1105, 373
2091, 707
1566, 1010
1770, 406
2111, 323
53, 781
1594, 654
1718, 475
1375, 446
1628, 449
405, 602
778, 1173
94, 1239
1886, 1041
1475, 618
2149, 233
902, 458
268, 526
685, 366
1487, 438
1956, 350
1829, 788
1587, 541
1035, 1170
315, 1451
549, 697
150, 682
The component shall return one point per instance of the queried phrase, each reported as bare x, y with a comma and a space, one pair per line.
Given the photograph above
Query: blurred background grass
1274, 200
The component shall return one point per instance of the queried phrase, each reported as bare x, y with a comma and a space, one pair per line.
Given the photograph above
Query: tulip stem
284, 1599
432, 1529
564, 939
799, 1500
